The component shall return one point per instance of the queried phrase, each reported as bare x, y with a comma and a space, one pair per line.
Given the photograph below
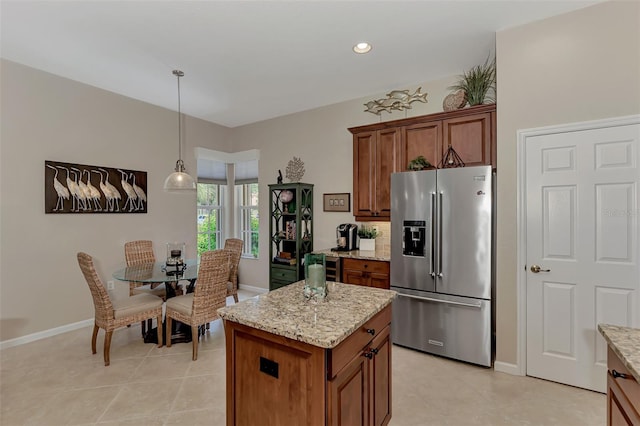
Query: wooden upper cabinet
364, 166
422, 139
375, 156
470, 136
383, 148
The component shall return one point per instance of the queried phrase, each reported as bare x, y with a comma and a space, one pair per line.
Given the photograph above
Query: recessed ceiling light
362, 47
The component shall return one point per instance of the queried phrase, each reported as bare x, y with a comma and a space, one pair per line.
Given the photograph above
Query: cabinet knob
617, 375
371, 331
368, 355
375, 351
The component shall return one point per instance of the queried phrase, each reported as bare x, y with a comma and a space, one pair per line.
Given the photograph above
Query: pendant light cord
180, 164
179, 74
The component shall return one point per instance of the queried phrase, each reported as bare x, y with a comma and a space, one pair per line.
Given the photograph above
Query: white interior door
582, 215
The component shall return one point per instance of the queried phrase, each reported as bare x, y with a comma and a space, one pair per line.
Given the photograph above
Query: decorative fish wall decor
398, 100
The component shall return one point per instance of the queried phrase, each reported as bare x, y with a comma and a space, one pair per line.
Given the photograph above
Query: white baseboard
44, 334
80, 324
259, 290
505, 367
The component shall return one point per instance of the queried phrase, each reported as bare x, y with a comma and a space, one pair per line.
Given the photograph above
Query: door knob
536, 268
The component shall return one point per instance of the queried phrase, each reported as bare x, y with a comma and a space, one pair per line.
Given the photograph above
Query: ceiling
247, 61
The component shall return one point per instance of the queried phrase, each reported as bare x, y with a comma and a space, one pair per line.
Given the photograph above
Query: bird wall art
79, 188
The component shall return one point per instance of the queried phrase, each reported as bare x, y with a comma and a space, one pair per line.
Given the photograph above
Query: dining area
181, 295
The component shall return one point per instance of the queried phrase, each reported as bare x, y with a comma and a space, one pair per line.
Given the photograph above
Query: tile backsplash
383, 241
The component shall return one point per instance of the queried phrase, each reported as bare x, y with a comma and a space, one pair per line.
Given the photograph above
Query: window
247, 195
227, 205
210, 208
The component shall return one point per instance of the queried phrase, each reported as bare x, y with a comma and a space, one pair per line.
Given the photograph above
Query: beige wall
575, 67
320, 138
581, 66
45, 117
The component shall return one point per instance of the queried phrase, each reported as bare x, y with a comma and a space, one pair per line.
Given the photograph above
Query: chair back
139, 252
101, 301
235, 245
211, 287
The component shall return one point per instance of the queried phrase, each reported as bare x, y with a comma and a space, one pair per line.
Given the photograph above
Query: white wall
45, 117
581, 66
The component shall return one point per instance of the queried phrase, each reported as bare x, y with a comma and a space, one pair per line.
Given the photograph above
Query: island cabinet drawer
353, 345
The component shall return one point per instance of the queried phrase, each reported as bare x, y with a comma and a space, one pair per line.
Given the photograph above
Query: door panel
582, 227
465, 204
413, 195
451, 326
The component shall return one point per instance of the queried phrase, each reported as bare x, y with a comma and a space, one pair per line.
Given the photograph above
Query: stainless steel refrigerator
441, 262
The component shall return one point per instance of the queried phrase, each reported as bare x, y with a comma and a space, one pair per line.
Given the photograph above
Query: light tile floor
57, 381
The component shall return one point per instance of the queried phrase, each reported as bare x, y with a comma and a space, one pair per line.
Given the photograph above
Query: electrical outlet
110, 285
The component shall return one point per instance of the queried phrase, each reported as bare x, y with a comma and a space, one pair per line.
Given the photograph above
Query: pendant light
179, 180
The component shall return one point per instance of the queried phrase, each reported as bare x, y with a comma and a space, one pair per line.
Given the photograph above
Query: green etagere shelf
290, 231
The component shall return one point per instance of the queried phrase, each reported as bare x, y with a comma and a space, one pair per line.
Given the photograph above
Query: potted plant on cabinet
367, 238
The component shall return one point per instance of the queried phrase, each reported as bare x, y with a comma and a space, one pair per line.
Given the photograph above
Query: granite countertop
378, 254
326, 323
625, 342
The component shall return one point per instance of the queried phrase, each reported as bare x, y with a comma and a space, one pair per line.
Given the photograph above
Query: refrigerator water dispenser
414, 232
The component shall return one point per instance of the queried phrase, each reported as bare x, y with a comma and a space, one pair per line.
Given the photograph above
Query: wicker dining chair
235, 245
112, 314
140, 252
137, 253
200, 307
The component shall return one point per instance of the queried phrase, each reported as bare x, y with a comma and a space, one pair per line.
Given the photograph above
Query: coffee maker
346, 237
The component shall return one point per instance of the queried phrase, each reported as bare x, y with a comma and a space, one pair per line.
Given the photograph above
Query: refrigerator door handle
448, 302
440, 235
433, 230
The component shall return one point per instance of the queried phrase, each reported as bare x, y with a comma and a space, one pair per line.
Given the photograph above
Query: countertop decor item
295, 170
398, 100
418, 163
179, 180
367, 238
455, 100
315, 276
479, 83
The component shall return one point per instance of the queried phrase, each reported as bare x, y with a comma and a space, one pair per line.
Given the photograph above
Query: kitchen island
292, 361
623, 375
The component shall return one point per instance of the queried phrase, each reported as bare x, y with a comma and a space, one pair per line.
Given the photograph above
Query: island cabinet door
348, 394
272, 379
380, 373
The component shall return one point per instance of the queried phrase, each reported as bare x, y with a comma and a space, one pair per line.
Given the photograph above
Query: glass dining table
157, 273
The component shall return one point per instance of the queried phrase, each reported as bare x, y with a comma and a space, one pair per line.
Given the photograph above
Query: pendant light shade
179, 180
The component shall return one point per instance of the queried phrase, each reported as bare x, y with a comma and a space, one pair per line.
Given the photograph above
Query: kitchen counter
325, 324
384, 255
625, 342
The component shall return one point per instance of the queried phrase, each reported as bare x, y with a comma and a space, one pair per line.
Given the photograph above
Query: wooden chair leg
208, 325
235, 297
159, 330
107, 347
195, 336
94, 338
167, 333
143, 325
